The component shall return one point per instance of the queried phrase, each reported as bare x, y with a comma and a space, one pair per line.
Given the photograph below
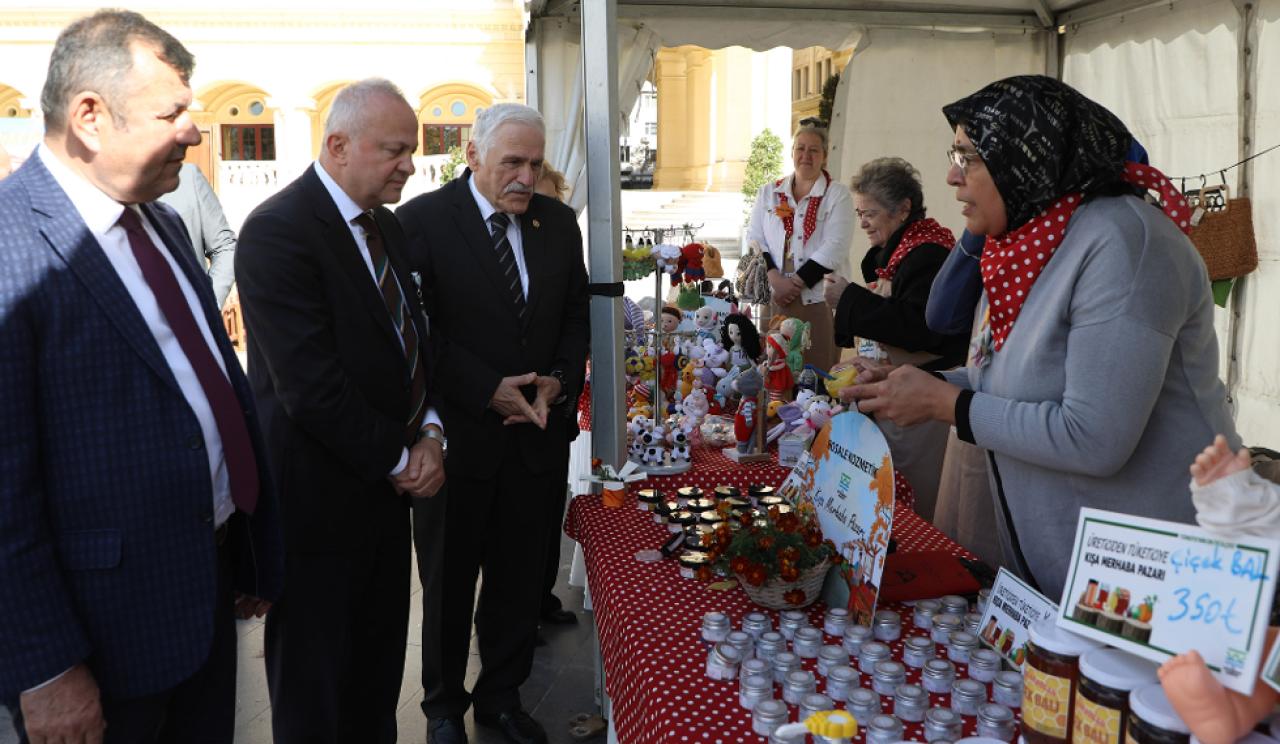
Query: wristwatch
564, 388
431, 432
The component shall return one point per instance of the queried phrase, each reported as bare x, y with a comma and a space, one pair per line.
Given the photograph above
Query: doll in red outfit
744, 421
779, 381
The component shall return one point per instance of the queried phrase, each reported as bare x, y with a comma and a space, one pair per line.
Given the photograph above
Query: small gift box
613, 481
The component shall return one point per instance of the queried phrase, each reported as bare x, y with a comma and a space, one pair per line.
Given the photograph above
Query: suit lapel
533, 242
68, 236
344, 248
472, 227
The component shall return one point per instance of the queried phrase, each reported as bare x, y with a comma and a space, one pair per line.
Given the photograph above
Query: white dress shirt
101, 214
350, 211
832, 235
513, 233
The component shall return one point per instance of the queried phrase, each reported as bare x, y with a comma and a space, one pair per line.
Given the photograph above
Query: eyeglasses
813, 121
867, 214
962, 159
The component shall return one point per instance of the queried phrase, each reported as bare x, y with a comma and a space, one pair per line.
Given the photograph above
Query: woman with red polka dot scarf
1093, 378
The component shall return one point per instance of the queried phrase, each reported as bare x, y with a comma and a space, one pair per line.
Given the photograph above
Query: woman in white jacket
804, 223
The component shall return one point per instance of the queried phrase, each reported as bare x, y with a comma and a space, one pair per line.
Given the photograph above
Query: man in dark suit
506, 292
134, 496
336, 359
212, 238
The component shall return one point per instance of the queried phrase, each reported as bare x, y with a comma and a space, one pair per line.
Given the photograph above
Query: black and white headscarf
1041, 138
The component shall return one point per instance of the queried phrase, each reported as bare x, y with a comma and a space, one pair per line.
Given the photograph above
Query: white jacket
831, 239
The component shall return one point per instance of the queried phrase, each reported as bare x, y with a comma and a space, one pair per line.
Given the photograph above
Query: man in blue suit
137, 517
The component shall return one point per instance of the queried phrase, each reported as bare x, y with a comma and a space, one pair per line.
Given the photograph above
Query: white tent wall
894, 90
1171, 74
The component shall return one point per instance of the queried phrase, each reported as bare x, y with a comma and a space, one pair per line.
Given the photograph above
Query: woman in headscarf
803, 224
1094, 377
885, 319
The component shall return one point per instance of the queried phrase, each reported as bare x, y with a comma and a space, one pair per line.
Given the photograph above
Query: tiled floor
562, 683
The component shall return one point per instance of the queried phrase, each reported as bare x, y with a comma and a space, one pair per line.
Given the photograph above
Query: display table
648, 620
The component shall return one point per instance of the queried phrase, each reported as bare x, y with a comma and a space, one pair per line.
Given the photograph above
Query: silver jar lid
928, 606
969, 690
984, 658
994, 714
841, 674
837, 613
757, 683
835, 654
816, 701
942, 718
874, 651
793, 618
857, 633
771, 710
919, 644
860, 698
800, 679
885, 724
785, 660
887, 618
913, 695
726, 654
947, 621
963, 639
1008, 680
938, 669
954, 604
888, 671
808, 635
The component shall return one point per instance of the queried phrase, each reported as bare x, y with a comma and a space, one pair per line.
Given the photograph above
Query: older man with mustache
506, 292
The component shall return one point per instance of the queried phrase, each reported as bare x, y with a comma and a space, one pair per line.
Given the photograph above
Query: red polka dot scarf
1012, 262
918, 233
788, 215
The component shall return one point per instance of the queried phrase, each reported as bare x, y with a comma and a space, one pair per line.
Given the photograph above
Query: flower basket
773, 593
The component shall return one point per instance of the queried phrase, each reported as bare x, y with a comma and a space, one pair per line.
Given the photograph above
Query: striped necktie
401, 318
498, 222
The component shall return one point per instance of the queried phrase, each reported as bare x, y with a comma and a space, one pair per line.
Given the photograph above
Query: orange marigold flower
789, 522
789, 553
765, 542
745, 520
773, 514
794, 597
813, 538
703, 574
755, 574
723, 508
789, 572
739, 565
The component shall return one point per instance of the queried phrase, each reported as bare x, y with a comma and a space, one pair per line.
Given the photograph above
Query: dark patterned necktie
237, 449
498, 222
401, 318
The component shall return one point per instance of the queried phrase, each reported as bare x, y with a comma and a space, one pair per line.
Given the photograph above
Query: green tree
828, 99
456, 158
763, 165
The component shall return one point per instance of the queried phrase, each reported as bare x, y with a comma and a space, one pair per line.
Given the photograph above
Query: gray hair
891, 181
351, 105
96, 53
819, 132
489, 121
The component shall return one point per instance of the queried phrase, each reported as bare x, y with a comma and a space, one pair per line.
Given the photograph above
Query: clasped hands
423, 475
509, 401
905, 395
785, 288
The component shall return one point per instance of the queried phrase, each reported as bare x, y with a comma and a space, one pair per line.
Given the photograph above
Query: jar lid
887, 617
693, 559
769, 499
875, 648
841, 673
715, 618
928, 606
863, 696
1150, 704
759, 489
1047, 635
983, 657
919, 643
739, 638
890, 669
969, 688
809, 634
911, 693
833, 653
938, 667
757, 682
737, 503
772, 636
857, 632
728, 652
817, 701
666, 507
771, 707
1008, 680
942, 717
795, 616
710, 516
995, 713
1117, 669
649, 495
885, 722
947, 620
837, 612
683, 516
689, 492
799, 677
964, 639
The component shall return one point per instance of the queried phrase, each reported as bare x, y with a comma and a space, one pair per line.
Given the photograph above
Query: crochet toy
739, 336
747, 385
711, 263
796, 334
690, 264
689, 297
779, 381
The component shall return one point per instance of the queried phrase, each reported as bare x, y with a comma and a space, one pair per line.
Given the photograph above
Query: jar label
1046, 701
1093, 723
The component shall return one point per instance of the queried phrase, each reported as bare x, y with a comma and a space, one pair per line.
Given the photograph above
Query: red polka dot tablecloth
648, 621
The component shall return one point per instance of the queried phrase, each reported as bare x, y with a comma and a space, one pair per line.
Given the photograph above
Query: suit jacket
476, 334
106, 508
325, 363
212, 239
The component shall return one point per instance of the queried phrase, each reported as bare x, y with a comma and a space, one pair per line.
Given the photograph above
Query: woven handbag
752, 280
1224, 236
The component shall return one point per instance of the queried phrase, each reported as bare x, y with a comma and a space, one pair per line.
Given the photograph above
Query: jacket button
195, 441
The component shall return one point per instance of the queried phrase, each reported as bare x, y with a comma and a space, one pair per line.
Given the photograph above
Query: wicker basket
1225, 237
769, 594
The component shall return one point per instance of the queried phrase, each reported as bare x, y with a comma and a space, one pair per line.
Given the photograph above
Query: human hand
1216, 461
785, 289
869, 370
424, 474
65, 711
508, 400
249, 606
906, 396
833, 288
548, 390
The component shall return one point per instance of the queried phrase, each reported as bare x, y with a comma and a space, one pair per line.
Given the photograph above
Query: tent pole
532, 91
1247, 95
604, 215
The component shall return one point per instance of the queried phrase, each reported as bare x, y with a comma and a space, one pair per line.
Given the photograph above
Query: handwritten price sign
1158, 589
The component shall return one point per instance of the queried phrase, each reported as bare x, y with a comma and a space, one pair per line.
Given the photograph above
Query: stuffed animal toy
670, 374
688, 378
696, 406
679, 440
711, 262
771, 410
689, 297
725, 390
739, 336
790, 416
841, 379
667, 257
690, 264
655, 453
671, 318
779, 381
748, 385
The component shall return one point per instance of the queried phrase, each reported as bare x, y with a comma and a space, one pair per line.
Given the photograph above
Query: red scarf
788, 214
1012, 262
917, 234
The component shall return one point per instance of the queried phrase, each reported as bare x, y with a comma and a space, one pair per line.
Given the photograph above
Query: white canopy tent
1197, 81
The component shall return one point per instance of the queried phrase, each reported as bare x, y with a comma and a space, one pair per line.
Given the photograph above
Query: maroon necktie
242, 466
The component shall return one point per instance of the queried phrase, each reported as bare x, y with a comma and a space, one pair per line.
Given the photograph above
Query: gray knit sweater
1106, 388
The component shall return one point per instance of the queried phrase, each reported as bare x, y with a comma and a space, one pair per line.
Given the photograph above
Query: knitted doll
748, 386
690, 264
739, 335
704, 322
779, 381
796, 333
